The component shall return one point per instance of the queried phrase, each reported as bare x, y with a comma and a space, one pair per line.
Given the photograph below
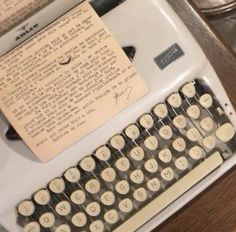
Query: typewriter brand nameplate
169, 56
65, 82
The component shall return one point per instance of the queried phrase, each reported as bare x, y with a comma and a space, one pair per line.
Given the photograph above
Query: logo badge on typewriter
25, 30
168, 56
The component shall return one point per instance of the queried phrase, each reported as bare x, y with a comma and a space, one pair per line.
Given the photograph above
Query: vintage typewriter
139, 168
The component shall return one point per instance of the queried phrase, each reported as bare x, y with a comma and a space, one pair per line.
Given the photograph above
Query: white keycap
165, 155
137, 153
225, 132
206, 100
88, 164
193, 134
79, 219
108, 198
166, 132
189, 90
117, 142
151, 143
123, 164
180, 122
97, 226
209, 142
126, 205
103, 153
78, 197
207, 124
47, 220
167, 174
137, 176
108, 174
32, 227
26, 208
175, 100
57, 185
196, 152
132, 132
151, 165
111, 216
194, 112
161, 110
181, 163
92, 186
93, 209
63, 228
72, 175
122, 187
179, 144
42, 197
154, 184
140, 194
146, 121
63, 208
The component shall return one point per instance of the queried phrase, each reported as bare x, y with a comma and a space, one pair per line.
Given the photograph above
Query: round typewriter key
146, 121
207, 124
196, 153
168, 174
111, 216
225, 132
32, 227
180, 122
189, 90
88, 164
165, 155
126, 205
26, 208
117, 142
63, 208
72, 175
79, 219
108, 175
175, 100
132, 132
108, 198
154, 184
161, 110
137, 176
57, 185
181, 163
137, 153
179, 144
194, 112
151, 166
97, 226
103, 153
193, 134
122, 187
140, 194
151, 143
42, 197
166, 132
92, 186
47, 220
122, 164
209, 142
63, 228
78, 197
206, 100
93, 209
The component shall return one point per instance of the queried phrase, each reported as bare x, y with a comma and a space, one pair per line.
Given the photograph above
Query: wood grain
214, 210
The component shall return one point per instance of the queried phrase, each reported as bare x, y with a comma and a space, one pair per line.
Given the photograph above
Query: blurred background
222, 15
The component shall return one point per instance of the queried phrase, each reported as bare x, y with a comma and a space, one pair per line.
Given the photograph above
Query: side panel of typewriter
153, 28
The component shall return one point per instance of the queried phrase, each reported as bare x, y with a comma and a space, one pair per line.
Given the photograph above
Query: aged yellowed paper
66, 81
13, 12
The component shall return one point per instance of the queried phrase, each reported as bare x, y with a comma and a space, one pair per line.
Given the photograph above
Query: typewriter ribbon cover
65, 82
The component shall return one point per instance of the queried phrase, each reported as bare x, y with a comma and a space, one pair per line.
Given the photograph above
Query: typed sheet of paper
66, 81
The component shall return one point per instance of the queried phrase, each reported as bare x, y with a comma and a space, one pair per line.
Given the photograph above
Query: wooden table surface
214, 210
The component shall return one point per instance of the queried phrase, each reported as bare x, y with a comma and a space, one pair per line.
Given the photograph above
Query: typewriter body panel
151, 26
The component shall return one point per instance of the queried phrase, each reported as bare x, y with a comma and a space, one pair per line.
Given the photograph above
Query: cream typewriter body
157, 34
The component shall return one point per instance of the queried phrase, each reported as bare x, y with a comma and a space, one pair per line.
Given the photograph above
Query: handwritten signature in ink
126, 92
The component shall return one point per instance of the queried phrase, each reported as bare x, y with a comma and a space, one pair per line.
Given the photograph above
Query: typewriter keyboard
140, 171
